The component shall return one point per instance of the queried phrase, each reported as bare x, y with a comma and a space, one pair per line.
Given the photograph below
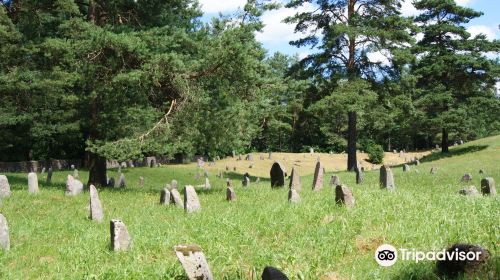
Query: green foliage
375, 152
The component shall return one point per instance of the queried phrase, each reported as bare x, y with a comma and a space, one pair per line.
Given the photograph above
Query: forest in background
124, 79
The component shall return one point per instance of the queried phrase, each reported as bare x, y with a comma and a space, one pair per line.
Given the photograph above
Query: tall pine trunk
97, 170
351, 142
444, 141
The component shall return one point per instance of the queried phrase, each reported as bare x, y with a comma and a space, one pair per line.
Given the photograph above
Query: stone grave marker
344, 196
120, 239
488, 186
32, 183
4, 187
193, 261
4, 233
319, 173
191, 201
96, 212
386, 178
278, 174
295, 180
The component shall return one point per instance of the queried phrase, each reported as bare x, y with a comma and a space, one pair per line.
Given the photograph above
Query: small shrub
375, 153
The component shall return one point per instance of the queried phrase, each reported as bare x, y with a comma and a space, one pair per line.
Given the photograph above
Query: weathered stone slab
49, 176
386, 178
488, 186
359, 175
295, 180
73, 186
120, 239
249, 157
469, 191
270, 156
230, 194
193, 261
4, 233
246, 180
344, 196
121, 181
191, 201
32, 183
334, 180
406, 168
4, 186
176, 198
278, 174
96, 212
293, 196
165, 196
319, 173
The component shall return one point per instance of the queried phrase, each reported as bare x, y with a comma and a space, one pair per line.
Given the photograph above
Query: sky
277, 35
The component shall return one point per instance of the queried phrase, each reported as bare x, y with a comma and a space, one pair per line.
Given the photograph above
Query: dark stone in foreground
453, 268
120, 239
386, 178
278, 174
230, 194
343, 196
193, 261
271, 273
488, 186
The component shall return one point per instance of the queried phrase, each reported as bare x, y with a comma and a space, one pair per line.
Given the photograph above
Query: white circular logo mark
386, 255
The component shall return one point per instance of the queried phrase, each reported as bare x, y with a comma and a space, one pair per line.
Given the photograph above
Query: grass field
52, 238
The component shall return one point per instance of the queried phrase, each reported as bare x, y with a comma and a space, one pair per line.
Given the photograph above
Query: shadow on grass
458, 151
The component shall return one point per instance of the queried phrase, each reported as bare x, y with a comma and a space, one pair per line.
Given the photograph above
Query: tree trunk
351, 142
444, 141
97, 170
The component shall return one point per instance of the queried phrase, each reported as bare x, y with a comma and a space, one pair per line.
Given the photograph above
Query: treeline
124, 79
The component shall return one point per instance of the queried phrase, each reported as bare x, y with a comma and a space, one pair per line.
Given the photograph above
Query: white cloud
463, 2
221, 6
380, 56
486, 30
275, 30
407, 8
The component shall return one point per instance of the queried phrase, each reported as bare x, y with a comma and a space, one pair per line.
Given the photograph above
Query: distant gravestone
270, 155
278, 174
488, 186
343, 196
200, 162
261, 157
205, 173
4, 234
334, 180
4, 187
386, 178
319, 173
249, 157
32, 183
246, 180
293, 196
230, 194
257, 180
359, 175
141, 182
295, 180
233, 153
76, 175
217, 158
120, 239
191, 201
234, 168
49, 176
229, 184
227, 168
469, 191
165, 197
111, 182
417, 162
121, 181
96, 212
173, 184
207, 185
271, 273
193, 261
73, 186
240, 157
311, 151
481, 171
466, 178
250, 166
406, 168
176, 199
43, 170
401, 154
433, 170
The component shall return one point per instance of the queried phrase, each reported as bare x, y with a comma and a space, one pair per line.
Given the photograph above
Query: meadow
52, 237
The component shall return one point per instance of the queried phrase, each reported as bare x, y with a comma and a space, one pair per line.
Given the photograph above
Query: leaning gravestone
121, 181
120, 239
165, 197
230, 194
488, 186
319, 173
295, 180
406, 168
96, 212
469, 191
359, 175
4, 186
293, 196
32, 183
343, 196
4, 233
49, 176
175, 197
193, 261
334, 180
73, 186
466, 178
386, 178
191, 201
278, 174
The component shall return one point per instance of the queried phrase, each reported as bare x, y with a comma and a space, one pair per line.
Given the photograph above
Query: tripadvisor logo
387, 255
